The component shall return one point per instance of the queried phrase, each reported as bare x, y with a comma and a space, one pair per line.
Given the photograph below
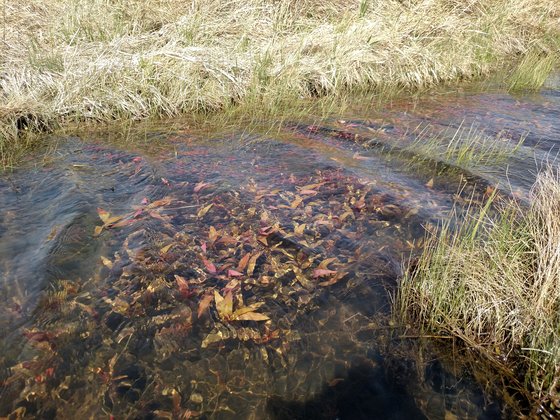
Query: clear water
305, 231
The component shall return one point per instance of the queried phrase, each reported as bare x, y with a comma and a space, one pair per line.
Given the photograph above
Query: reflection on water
241, 277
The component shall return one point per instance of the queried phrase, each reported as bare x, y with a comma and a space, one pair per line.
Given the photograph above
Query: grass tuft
493, 283
76, 60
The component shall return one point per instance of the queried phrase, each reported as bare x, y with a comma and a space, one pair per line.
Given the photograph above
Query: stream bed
248, 276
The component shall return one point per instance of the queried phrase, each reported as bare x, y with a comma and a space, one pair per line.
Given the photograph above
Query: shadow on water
363, 392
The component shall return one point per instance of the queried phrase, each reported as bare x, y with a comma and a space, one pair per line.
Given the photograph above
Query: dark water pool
247, 276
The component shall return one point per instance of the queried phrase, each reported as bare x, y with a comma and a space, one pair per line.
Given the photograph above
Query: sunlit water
246, 276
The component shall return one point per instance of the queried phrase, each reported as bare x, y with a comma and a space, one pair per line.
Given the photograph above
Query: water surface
246, 276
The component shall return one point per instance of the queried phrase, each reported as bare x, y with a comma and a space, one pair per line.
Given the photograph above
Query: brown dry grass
100, 60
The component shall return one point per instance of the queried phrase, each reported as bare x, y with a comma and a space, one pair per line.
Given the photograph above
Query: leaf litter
206, 279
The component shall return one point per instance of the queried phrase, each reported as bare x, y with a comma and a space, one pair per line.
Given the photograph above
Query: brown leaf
212, 234
158, 203
298, 200
204, 303
234, 273
325, 263
243, 262
333, 280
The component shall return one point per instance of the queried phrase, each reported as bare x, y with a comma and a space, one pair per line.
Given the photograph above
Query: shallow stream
247, 276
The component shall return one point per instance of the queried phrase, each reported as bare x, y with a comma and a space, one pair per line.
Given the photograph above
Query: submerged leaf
166, 248
204, 304
209, 266
224, 305
204, 210
322, 272
252, 316
103, 215
106, 262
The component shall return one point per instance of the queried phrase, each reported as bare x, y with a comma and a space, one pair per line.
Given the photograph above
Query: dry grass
100, 60
494, 283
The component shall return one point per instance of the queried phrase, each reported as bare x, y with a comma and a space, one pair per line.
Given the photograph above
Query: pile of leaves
202, 302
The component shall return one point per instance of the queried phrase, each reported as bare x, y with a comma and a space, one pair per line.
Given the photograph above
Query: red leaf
201, 185
203, 247
209, 266
233, 273
322, 272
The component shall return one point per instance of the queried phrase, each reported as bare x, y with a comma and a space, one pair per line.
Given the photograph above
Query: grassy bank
77, 60
494, 285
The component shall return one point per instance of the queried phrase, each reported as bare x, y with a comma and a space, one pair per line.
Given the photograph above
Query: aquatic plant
101, 61
492, 283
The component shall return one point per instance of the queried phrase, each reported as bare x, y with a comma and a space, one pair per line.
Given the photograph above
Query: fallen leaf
325, 263
103, 215
203, 304
430, 183
252, 263
224, 305
107, 262
252, 316
212, 234
97, 230
204, 210
209, 266
158, 203
243, 262
298, 200
234, 273
200, 186
322, 272
166, 248
333, 280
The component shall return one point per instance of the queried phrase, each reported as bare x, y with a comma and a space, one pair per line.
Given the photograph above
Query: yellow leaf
103, 215
111, 220
204, 210
107, 262
97, 231
430, 183
325, 263
165, 248
299, 229
296, 202
212, 234
252, 316
224, 305
252, 263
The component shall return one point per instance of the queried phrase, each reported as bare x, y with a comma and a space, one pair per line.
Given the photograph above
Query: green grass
94, 60
493, 283
464, 147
